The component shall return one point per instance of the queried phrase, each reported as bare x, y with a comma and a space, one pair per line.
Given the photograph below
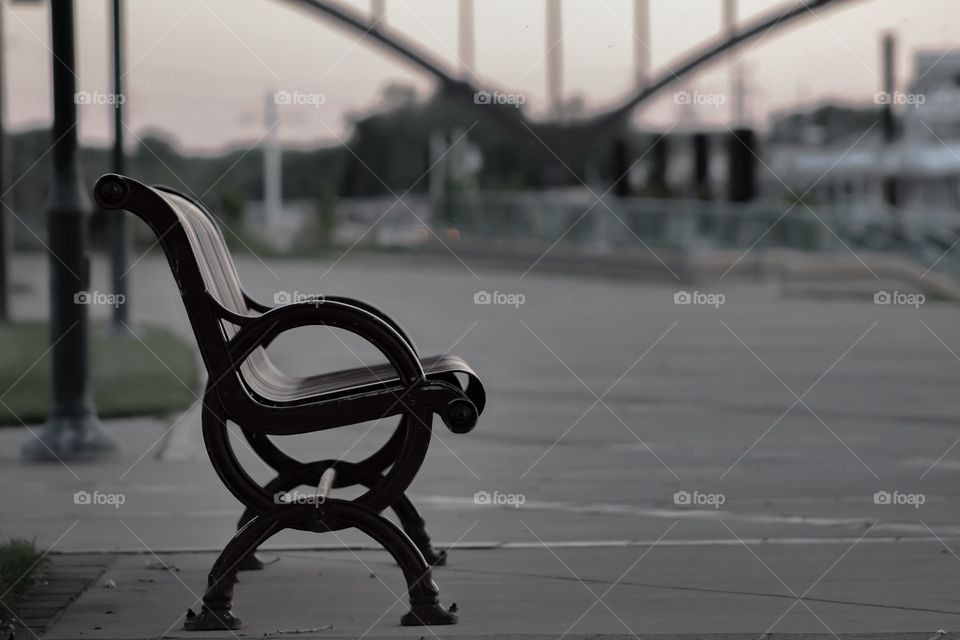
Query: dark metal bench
232, 332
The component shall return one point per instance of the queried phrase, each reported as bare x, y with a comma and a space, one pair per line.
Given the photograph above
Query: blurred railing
928, 238
579, 219
575, 221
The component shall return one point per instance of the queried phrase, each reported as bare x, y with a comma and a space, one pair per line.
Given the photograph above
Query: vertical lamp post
119, 235
466, 45
6, 230
891, 183
554, 56
641, 42
73, 430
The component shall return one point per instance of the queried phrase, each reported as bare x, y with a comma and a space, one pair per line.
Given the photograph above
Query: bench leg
333, 515
416, 527
349, 474
249, 562
217, 613
425, 607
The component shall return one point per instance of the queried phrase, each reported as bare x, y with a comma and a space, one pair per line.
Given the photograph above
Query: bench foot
208, 620
332, 515
425, 615
435, 557
218, 598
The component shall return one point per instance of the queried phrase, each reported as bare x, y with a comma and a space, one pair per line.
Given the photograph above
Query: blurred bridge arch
455, 86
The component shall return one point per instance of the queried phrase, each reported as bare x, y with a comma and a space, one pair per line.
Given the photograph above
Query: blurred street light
6, 228
73, 430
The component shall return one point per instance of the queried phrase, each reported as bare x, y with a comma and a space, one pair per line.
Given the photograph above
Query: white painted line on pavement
607, 508
560, 544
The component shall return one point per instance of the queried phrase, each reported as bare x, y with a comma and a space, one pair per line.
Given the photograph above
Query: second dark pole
119, 235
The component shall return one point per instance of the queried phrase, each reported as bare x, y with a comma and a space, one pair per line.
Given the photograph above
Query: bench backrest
206, 264
257, 372
216, 265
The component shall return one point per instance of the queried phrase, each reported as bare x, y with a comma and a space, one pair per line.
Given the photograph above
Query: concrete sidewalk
552, 591
608, 405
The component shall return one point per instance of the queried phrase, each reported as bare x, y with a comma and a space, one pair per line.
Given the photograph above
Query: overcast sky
200, 70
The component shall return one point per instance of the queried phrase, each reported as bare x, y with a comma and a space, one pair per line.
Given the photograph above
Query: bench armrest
255, 305
360, 304
260, 331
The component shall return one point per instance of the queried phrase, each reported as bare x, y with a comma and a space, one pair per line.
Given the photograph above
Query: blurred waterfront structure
849, 169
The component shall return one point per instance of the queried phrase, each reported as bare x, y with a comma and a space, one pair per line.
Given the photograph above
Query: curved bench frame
230, 326
293, 473
368, 473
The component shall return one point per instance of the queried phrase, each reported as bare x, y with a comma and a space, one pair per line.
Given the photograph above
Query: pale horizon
200, 72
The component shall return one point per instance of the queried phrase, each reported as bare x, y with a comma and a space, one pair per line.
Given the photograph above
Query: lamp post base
71, 438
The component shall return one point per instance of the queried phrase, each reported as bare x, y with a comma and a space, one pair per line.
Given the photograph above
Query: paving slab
63, 579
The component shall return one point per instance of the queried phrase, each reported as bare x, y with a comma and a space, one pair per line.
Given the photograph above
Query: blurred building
842, 156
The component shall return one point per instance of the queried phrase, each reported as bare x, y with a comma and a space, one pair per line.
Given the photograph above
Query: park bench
244, 387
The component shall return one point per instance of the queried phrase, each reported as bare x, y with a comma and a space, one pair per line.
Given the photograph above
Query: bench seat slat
283, 388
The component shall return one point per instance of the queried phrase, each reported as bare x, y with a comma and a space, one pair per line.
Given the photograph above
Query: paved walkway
673, 589
606, 400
